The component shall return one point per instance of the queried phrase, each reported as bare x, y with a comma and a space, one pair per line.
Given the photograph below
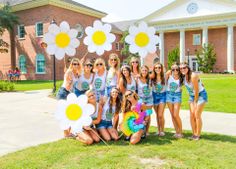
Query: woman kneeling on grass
130, 103
109, 109
197, 99
90, 135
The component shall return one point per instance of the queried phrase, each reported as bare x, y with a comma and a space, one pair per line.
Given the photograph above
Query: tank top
106, 114
173, 85
144, 89
189, 87
69, 83
111, 79
158, 87
132, 85
83, 83
95, 114
99, 82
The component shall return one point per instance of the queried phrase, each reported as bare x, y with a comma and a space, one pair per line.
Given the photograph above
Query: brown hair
118, 101
154, 80
126, 104
133, 58
189, 74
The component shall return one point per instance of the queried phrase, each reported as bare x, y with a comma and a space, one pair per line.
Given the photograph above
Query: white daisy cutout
142, 39
74, 112
61, 40
99, 38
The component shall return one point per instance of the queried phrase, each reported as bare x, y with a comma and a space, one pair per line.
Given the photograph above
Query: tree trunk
13, 49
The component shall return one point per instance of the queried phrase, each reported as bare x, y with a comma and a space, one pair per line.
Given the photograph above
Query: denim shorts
104, 124
159, 98
62, 93
173, 97
78, 92
202, 97
147, 100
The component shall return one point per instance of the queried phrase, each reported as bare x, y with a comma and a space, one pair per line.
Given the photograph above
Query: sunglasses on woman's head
99, 64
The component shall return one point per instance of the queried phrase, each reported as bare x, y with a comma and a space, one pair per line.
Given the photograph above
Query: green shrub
173, 56
6, 86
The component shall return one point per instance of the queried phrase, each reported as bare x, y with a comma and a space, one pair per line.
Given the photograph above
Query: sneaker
196, 138
178, 135
127, 138
192, 137
161, 134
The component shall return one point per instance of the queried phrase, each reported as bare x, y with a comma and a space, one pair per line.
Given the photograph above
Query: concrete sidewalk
26, 119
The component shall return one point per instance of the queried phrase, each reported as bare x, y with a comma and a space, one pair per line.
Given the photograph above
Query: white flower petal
129, 39
89, 30
151, 30
71, 98
87, 40
143, 53
133, 49
107, 27
92, 48
111, 37
78, 127
73, 33
107, 47
70, 51
97, 24
64, 124
51, 49
151, 48
143, 27
64, 26
133, 30
49, 38
89, 109
74, 43
60, 53
54, 29
82, 100
100, 51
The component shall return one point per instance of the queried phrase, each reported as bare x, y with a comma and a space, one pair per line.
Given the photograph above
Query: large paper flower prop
61, 40
142, 39
99, 38
74, 112
132, 122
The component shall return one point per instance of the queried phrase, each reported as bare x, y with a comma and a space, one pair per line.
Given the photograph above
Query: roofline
61, 4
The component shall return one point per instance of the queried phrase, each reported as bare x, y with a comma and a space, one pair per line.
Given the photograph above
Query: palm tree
7, 21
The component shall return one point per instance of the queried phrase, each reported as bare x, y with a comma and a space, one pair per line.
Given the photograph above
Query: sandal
70, 136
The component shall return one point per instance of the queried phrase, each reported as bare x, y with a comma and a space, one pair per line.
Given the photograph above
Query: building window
22, 64
117, 46
21, 31
39, 29
196, 39
40, 64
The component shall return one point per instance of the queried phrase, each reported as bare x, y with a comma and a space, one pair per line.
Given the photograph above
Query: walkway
26, 119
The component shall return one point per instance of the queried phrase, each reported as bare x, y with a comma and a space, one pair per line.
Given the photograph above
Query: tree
173, 56
7, 22
206, 58
125, 50
3, 45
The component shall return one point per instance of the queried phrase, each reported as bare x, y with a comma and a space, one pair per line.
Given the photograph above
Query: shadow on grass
220, 138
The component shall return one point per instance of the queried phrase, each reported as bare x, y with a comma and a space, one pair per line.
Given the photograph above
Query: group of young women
133, 88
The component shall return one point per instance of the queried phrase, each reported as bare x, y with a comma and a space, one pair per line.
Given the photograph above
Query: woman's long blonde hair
117, 67
80, 68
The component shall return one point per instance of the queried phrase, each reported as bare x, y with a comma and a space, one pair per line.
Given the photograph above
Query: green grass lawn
212, 151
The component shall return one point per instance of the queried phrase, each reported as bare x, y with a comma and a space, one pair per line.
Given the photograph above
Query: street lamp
54, 65
188, 57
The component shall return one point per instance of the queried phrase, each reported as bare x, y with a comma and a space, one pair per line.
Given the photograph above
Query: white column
161, 47
182, 45
204, 36
230, 49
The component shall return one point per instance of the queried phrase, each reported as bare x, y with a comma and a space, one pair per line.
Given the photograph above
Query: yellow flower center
99, 37
62, 40
141, 39
73, 112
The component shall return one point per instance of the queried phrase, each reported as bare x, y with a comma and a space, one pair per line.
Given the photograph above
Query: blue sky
120, 10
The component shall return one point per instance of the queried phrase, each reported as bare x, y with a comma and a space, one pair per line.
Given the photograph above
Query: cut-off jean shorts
202, 97
104, 124
174, 97
62, 93
159, 98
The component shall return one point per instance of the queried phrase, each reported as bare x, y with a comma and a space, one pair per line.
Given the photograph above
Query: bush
6, 86
173, 56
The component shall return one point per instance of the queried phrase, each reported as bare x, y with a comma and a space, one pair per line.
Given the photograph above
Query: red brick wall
189, 42
30, 46
218, 37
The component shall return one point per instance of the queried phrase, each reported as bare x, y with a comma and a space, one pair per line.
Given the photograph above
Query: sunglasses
91, 96
99, 64
134, 62
75, 64
113, 59
175, 69
158, 67
128, 95
183, 67
89, 65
